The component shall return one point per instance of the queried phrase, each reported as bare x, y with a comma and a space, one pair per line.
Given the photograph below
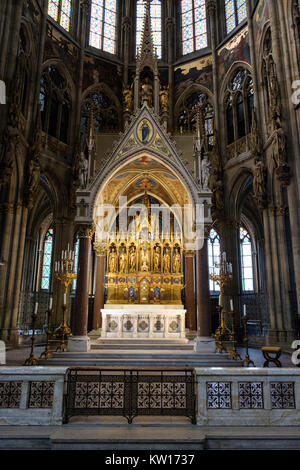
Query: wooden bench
267, 350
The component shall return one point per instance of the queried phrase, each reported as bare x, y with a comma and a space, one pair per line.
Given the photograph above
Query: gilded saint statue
132, 259
164, 99
177, 261
123, 261
167, 262
144, 259
147, 92
127, 98
156, 259
113, 261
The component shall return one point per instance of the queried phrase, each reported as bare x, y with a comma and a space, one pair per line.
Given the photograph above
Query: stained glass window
76, 250
155, 10
193, 25
213, 258
246, 260
47, 258
103, 25
235, 13
61, 11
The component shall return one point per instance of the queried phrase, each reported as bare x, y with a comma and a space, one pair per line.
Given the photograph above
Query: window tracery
55, 104
193, 25
239, 102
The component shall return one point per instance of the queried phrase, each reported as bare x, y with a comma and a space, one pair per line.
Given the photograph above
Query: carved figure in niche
132, 259
205, 172
164, 99
147, 92
144, 259
113, 261
177, 261
156, 259
34, 175
279, 146
167, 262
123, 261
127, 98
218, 193
83, 167
259, 179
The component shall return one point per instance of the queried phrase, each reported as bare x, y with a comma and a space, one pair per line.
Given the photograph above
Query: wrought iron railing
130, 393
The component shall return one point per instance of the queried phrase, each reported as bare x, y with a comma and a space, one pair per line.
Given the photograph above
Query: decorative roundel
145, 131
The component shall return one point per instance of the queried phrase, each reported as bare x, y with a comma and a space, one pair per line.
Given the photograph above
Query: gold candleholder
224, 276
247, 359
32, 360
233, 354
66, 275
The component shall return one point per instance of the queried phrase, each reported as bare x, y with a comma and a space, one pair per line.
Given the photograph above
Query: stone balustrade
31, 395
226, 396
248, 397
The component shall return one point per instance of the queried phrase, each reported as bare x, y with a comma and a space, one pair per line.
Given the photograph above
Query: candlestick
50, 303
231, 305
245, 310
65, 299
36, 307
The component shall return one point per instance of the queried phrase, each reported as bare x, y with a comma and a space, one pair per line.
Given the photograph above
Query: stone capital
86, 231
85, 6
189, 253
211, 7
100, 248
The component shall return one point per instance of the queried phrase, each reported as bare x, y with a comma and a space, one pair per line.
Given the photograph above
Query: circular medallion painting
145, 131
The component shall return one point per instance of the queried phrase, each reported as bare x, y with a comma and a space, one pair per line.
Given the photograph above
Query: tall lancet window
47, 259
235, 13
193, 25
246, 261
103, 25
60, 11
213, 258
155, 11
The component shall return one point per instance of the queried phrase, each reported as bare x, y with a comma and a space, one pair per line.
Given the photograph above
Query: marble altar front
143, 321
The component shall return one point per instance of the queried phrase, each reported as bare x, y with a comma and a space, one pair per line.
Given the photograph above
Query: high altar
144, 282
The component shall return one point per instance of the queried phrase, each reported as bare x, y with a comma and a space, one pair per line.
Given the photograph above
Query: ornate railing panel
130, 393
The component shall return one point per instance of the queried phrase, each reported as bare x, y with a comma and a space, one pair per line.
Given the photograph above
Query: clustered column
189, 290
99, 288
80, 341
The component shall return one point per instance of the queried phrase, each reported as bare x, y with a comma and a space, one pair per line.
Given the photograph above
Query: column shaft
82, 289
99, 293
190, 293
203, 297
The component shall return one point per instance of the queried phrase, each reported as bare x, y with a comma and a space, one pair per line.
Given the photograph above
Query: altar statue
83, 171
167, 261
156, 259
177, 261
123, 261
113, 261
132, 259
144, 260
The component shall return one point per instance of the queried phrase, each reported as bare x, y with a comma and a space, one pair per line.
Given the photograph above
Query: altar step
139, 358
140, 344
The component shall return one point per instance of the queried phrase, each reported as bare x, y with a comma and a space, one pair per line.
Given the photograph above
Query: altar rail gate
130, 393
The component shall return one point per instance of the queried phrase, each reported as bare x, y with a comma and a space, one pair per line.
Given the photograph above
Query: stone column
80, 341
204, 341
99, 288
190, 291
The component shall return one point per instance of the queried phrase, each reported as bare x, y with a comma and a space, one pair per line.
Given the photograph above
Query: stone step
136, 360
142, 346
124, 354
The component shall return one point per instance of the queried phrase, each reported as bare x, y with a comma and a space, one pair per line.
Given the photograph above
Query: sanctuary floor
16, 357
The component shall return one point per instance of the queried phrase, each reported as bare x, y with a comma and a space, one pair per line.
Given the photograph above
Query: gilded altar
144, 271
144, 265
